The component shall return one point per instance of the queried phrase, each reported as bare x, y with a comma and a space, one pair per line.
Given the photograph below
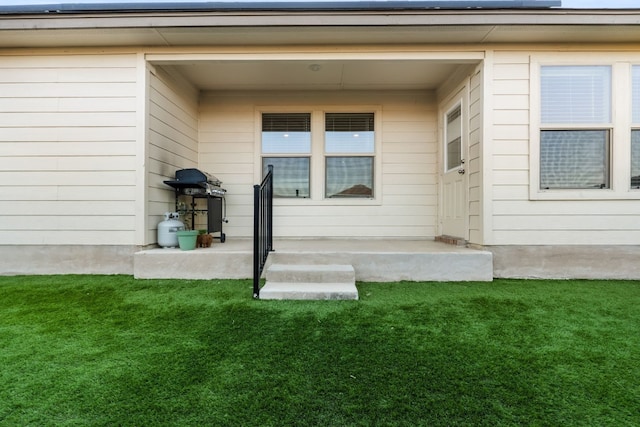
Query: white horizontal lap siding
517, 220
407, 194
473, 163
228, 151
173, 142
409, 167
67, 149
510, 142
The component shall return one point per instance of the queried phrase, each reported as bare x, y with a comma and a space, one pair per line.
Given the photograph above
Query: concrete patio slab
377, 260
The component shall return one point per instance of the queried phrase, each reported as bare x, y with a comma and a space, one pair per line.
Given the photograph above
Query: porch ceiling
316, 75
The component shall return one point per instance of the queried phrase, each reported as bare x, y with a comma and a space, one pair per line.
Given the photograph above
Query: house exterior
514, 126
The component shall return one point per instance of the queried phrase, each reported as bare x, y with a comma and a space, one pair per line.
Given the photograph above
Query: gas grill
201, 185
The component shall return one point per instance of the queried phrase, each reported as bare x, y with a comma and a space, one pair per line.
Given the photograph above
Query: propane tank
168, 229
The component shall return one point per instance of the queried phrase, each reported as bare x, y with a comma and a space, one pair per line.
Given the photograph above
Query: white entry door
453, 209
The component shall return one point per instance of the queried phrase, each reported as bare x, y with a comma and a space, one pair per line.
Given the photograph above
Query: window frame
457, 105
348, 154
284, 154
619, 127
318, 155
634, 126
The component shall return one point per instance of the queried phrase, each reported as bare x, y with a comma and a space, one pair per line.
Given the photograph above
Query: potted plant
187, 237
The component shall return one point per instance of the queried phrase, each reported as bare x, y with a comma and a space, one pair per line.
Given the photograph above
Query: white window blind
576, 94
349, 133
635, 93
286, 133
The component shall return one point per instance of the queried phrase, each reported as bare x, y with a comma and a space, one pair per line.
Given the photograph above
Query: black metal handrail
262, 227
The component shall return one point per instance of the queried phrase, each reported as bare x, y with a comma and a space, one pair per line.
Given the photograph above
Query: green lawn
110, 350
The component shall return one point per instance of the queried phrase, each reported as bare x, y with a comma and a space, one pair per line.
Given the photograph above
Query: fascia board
325, 18
70, 7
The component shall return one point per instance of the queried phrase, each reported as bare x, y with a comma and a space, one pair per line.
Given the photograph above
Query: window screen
574, 159
635, 159
349, 177
290, 175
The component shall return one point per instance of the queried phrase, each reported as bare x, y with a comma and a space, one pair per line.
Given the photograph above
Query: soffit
323, 35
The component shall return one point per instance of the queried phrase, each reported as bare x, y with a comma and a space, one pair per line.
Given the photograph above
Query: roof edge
70, 8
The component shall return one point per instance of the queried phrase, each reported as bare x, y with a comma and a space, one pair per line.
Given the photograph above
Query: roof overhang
187, 28
308, 5
323, 30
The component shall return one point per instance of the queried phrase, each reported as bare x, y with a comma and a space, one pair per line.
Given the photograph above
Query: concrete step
310, 273
308, 291
310, 282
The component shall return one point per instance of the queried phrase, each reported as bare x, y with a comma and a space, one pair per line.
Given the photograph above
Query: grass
110, 350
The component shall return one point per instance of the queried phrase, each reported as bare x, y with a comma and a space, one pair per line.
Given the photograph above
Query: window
574, 159
290, 175
575, 134
286, 144
321, 155
635, 158
635, 131
349, 147
453, 137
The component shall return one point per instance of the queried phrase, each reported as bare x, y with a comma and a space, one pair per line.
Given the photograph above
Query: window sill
586, 194
338, 201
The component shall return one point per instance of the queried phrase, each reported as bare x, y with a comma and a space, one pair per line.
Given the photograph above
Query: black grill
197, 184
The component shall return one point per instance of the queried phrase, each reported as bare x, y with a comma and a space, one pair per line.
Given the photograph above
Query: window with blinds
349, 133
353, 134
286, 133
454, 139
576, 127
635, 131
289, 136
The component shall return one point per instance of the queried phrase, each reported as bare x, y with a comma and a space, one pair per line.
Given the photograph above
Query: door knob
461, 171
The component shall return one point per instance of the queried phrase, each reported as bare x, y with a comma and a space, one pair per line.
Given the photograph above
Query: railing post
270, 210
256, 241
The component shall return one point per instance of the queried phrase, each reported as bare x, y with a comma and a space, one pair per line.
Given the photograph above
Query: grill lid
189, 178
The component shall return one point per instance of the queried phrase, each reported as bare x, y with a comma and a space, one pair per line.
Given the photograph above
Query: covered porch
407, 92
